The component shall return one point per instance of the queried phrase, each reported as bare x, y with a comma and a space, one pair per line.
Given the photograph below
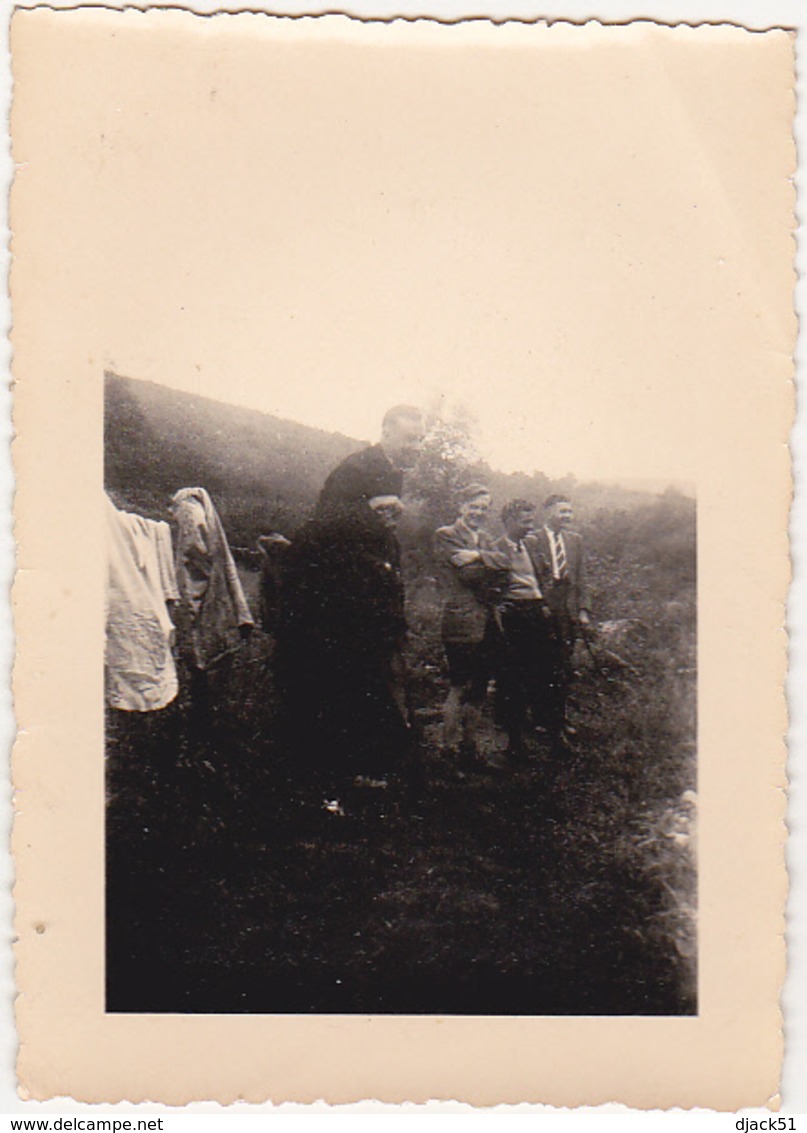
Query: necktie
560, 558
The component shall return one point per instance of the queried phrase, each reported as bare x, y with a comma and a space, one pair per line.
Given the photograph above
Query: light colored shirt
523, 584
139, 672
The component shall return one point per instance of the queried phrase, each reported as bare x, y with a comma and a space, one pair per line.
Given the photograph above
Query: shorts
469, 668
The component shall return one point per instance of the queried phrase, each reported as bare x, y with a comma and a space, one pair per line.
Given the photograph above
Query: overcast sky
556, 242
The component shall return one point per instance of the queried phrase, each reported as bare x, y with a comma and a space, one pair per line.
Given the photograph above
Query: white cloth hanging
140, 674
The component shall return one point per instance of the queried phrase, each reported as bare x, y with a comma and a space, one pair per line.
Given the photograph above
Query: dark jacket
567, 596
340, 631
357, 479
342, 590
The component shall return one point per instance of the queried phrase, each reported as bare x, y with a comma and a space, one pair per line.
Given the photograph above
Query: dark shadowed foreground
549, 889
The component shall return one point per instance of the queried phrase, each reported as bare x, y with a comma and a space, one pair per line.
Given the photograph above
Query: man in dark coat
379, 469
343, 628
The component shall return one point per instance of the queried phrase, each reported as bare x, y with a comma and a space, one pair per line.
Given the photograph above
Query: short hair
401, 412
472, 492
556, 498
516, 507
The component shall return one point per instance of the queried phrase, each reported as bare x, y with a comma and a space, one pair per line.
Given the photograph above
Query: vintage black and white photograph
402, 490
401, 650
390, 729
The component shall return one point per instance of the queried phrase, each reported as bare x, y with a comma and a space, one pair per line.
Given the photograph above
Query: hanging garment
140, 674
161, 533
214, 606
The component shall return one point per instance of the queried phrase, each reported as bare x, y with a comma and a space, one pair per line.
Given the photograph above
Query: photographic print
425, 741
421, 385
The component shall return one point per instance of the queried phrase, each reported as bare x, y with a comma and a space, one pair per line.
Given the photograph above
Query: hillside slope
263, 472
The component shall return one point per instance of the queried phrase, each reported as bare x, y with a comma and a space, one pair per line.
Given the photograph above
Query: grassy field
550, 889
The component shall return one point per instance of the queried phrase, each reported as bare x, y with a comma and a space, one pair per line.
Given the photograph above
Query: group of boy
513, 609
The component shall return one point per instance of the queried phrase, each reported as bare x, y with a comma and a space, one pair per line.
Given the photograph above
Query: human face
474, 512
402, 441
389, 513
521, 524
561, 516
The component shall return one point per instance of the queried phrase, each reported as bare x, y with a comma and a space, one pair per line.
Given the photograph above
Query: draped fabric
165, 559
212, 599
140, 674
